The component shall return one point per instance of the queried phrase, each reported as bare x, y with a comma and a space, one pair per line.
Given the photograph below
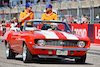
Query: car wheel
27, 56
9, 52
81, 60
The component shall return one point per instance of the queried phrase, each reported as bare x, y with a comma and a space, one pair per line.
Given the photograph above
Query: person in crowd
15, 21
64, 20
87, 19
38, 1
74, 19
7, 23
26, 14
3, 27
83, 19
97, 17
69, 18
49, 14
43, 0
12, 24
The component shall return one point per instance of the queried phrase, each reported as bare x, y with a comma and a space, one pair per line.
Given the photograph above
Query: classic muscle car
45, 39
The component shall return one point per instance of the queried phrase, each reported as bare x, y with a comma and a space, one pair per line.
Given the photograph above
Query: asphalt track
93, 60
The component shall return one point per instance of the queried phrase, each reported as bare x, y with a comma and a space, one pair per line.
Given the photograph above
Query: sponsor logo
97, 33
80, 31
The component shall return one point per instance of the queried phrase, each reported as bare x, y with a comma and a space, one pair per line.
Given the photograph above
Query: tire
9, 52
81, 60
27, 56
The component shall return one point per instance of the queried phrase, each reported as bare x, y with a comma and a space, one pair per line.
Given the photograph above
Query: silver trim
47, 56
17, 52
80, 49
44, 20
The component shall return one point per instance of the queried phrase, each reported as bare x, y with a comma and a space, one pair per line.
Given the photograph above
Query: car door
15, 44
19, 42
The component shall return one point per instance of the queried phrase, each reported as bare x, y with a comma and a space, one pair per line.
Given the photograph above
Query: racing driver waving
49, 14
26, 14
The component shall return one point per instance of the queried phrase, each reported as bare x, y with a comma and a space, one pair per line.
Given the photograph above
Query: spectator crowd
8, 23
70, 19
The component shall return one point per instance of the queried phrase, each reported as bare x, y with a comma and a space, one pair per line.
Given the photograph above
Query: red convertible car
45, 39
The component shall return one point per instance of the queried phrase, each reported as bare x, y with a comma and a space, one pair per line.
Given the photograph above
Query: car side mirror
74, 32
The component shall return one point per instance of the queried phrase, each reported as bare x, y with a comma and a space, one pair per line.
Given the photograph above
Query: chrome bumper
78, 49
47, 56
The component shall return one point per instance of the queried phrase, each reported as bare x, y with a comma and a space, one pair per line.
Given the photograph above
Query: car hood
44, 34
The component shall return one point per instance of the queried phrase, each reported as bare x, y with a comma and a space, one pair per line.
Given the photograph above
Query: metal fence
88, 8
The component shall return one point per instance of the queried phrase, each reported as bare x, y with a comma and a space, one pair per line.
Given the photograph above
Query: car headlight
81, 44
41, 42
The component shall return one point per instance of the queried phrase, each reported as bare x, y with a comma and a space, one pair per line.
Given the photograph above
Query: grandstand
62, 7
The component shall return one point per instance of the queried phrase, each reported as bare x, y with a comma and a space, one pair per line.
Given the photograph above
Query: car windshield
47, 25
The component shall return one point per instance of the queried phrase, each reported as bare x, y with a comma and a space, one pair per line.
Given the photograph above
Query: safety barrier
90, 30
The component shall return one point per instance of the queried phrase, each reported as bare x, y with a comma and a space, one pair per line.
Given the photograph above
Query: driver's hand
35, 28
28, 15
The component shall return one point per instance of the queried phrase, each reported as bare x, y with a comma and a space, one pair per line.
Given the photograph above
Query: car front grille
64, 43
61, 43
